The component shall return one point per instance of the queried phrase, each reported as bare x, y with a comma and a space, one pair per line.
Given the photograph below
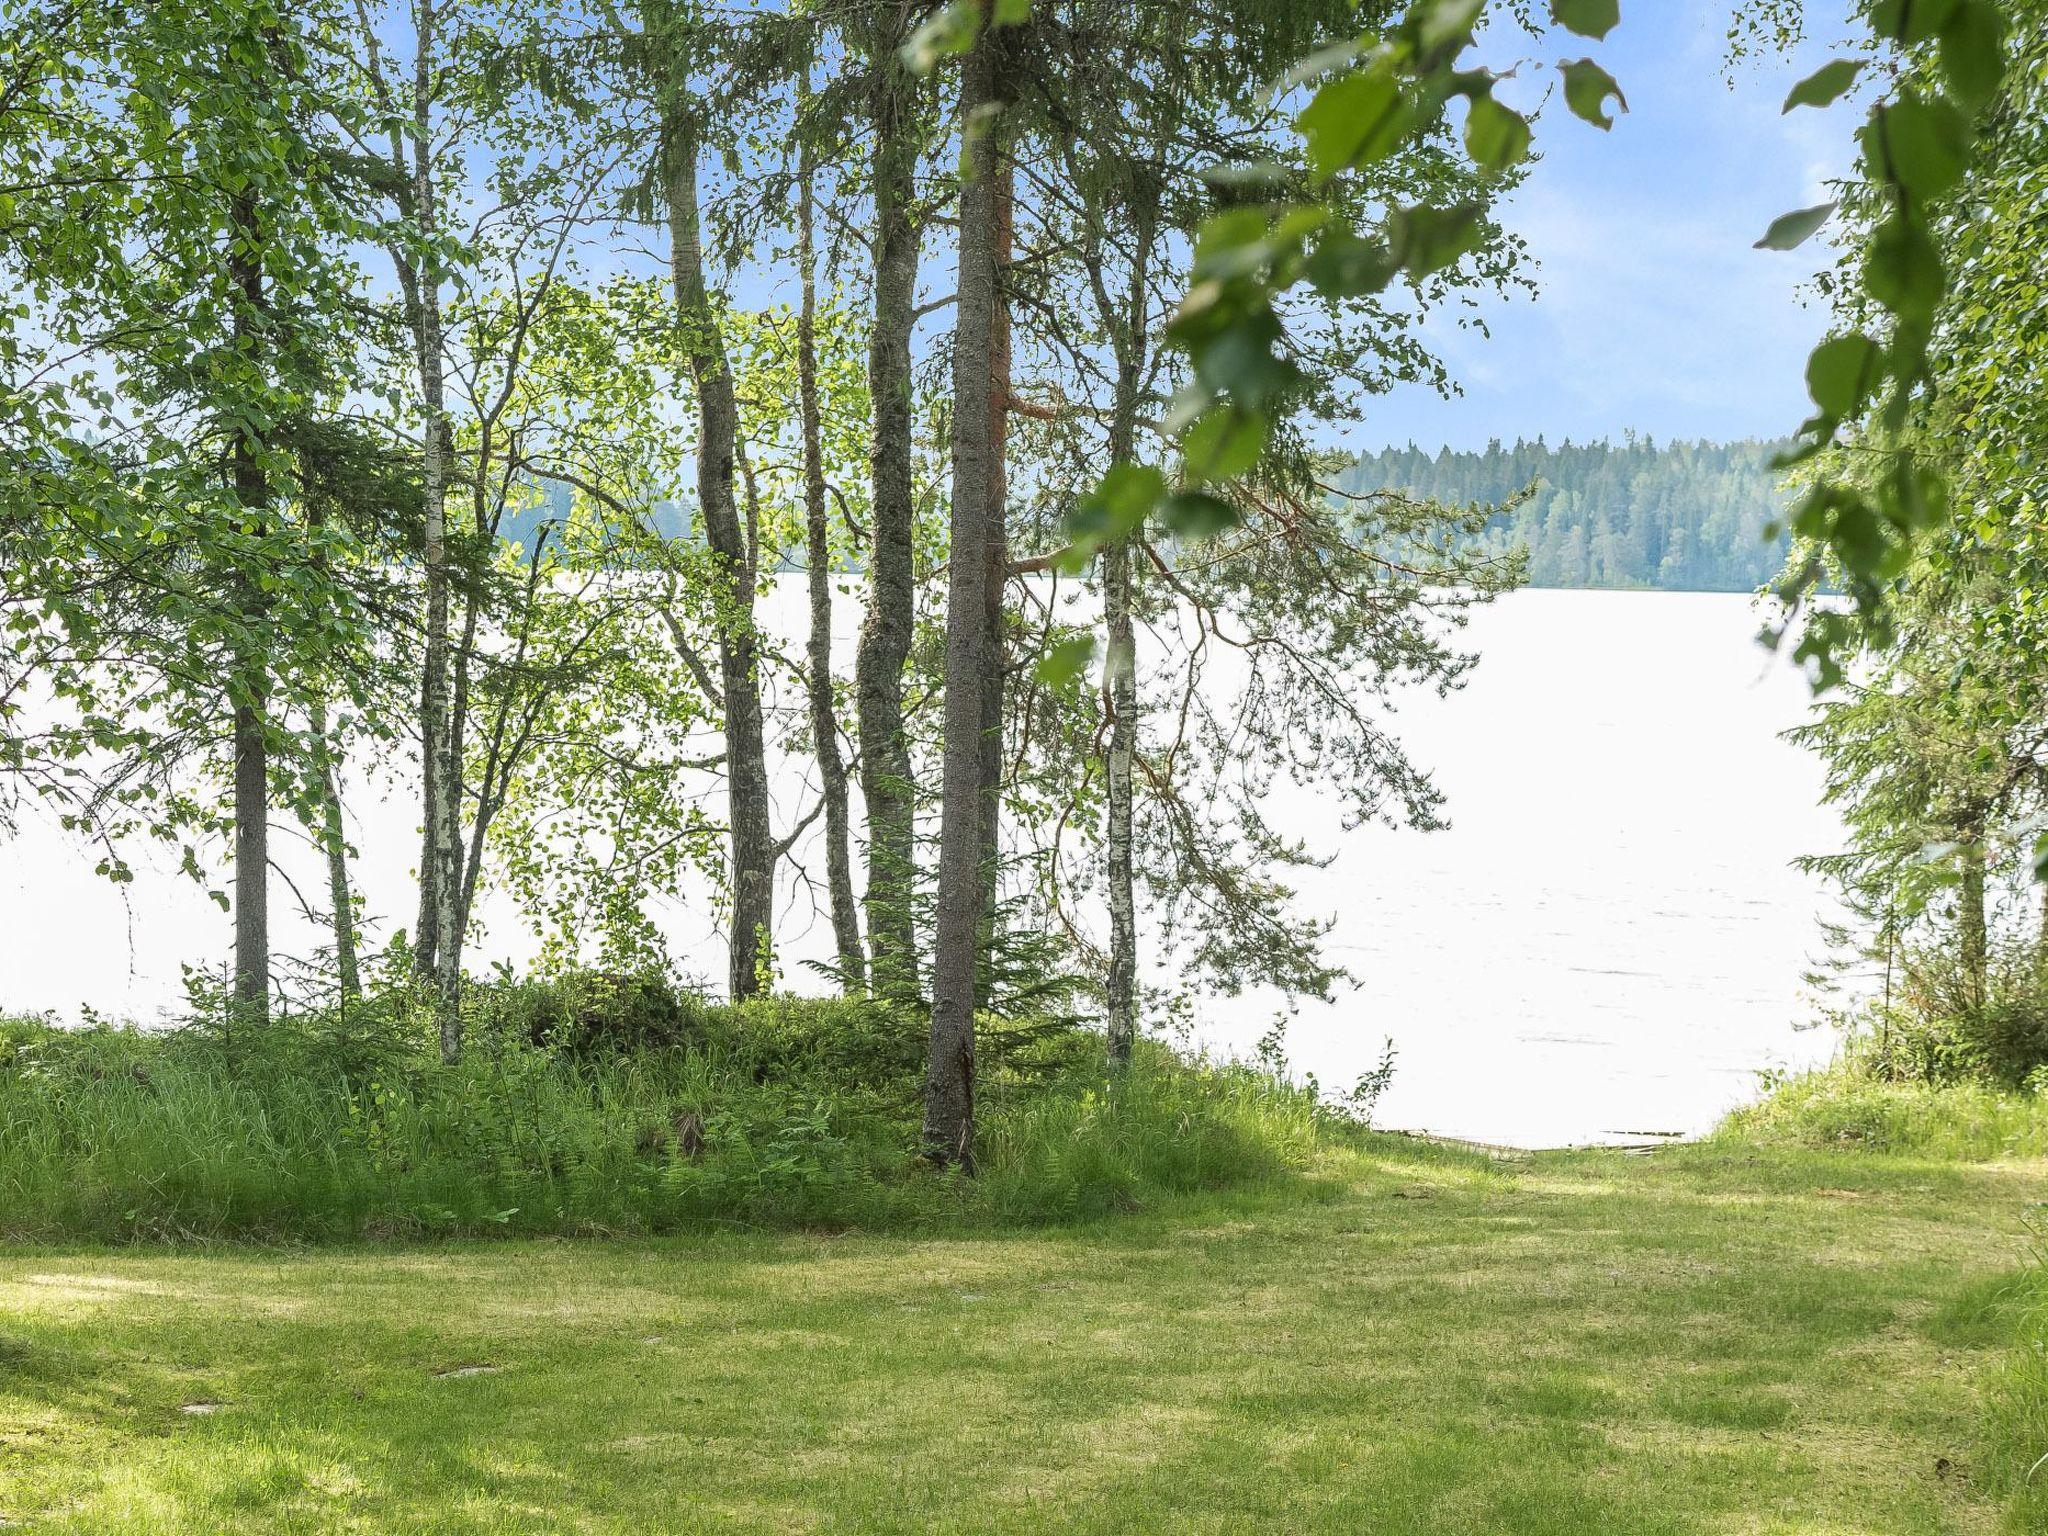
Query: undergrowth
598, 1105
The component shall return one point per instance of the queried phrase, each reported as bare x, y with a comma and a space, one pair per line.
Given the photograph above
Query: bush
598, 1104
1947, 1025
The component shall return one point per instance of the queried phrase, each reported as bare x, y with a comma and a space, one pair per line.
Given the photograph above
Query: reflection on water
1607, 942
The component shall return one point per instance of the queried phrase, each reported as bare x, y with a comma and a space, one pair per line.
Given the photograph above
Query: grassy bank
1850, 1107
1719, 1338
595, 1107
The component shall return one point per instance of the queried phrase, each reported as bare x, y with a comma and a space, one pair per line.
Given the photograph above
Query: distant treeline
1686, 517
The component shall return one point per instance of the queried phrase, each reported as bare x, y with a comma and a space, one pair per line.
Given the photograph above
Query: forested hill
1686, 517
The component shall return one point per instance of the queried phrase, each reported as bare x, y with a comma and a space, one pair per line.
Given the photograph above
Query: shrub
1948, 1025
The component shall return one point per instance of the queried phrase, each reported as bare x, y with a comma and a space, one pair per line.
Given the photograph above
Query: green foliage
1159, 1128
180, 313
1904, 275
598, 1104
1374, 99
1948, 1022
1587, 90
1933, 755
1588, 18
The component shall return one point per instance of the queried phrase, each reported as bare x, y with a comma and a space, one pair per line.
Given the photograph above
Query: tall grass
1847, 1106
778, 1113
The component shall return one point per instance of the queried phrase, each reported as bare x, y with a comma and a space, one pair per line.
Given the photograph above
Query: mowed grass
1715, 1339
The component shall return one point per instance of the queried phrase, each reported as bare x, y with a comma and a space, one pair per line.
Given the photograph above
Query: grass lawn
1420, 1341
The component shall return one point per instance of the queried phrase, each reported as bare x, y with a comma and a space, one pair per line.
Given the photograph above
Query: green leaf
1353, 120
1232, 243
1926, 144
1495, 136
1588, 18
1427, 240
1587, 88
1840, 373
1789, 231
1973, 52
1224, 442
1240, 359
1910, 21
1198, 514
1342, 266
1903, 271
1128, 494
1068, 660
1825, 85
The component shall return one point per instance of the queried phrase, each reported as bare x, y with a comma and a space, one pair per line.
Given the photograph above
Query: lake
1610, 939
1608, 942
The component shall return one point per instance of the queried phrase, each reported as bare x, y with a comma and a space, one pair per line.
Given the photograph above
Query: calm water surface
1608, 941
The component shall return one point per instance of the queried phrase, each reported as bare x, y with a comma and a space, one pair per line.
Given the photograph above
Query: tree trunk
333, 832
887, 785
251, 690
437, 950
1974, 930
1121, 667
1121, 663
252, 861
753, 842
2041, 935
452, 891
949, 1076
996, 563
333, 836
818, 555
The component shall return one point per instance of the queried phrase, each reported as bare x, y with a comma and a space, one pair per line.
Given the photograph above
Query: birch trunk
438, 943
2041, 934
333, 833
752, 840
888, 787
333, 836
1121, 667
818, 554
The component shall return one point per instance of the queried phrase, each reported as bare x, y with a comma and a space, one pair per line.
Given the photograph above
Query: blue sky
1655, 315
